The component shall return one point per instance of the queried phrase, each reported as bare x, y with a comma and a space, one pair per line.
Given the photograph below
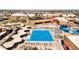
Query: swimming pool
41, 36
65, 28
68, 29
74, 32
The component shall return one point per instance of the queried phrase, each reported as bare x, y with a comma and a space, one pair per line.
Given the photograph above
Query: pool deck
56, 44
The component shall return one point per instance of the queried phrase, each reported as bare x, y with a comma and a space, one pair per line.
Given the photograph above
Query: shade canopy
18, 14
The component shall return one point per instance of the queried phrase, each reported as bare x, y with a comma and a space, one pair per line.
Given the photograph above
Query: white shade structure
31, 15
72, 15
19, 14
64, 15
56, 14
68, 15
11, 43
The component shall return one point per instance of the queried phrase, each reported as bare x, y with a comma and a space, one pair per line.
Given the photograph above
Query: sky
39, 4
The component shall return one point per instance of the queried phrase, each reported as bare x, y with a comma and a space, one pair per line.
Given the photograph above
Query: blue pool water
75, 32
65, 28
68, 29
41, 35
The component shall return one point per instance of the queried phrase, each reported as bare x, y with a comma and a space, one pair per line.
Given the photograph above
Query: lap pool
41, 36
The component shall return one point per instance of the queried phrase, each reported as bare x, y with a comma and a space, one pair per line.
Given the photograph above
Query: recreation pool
69, 30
